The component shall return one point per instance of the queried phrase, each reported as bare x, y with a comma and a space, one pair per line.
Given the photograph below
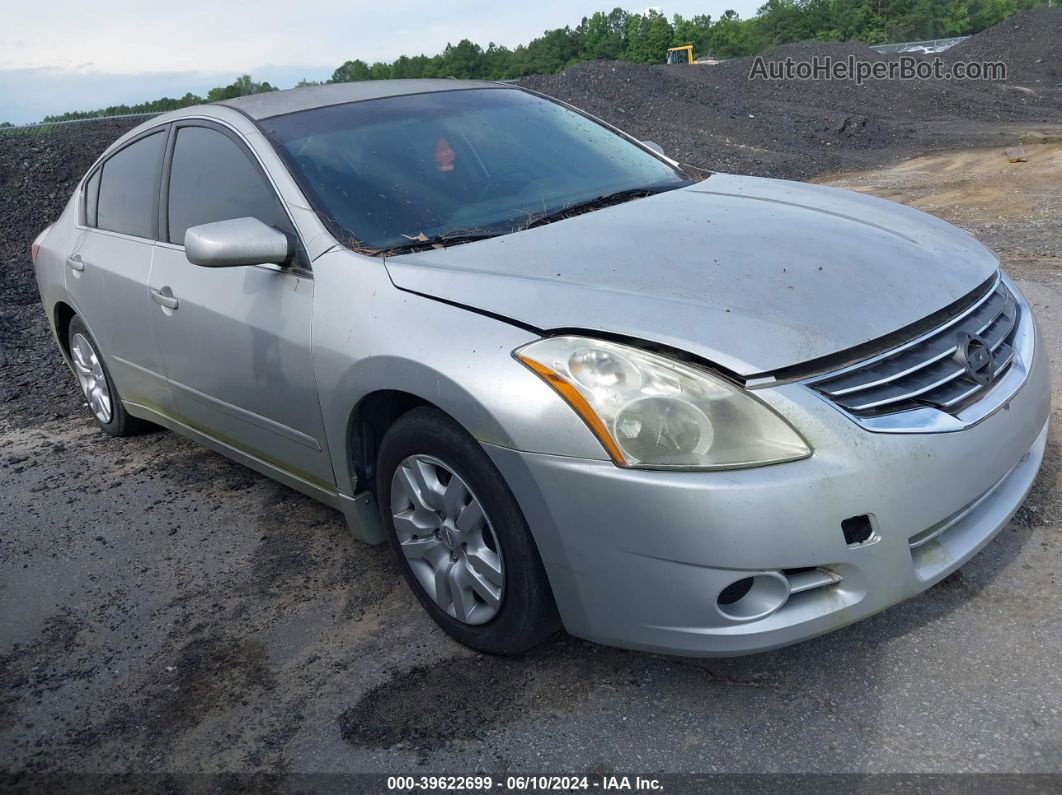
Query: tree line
645, 38
241, 86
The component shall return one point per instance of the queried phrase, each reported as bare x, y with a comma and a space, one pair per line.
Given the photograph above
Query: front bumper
638, 558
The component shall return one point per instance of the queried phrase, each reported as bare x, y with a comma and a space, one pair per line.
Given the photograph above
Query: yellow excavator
683, 54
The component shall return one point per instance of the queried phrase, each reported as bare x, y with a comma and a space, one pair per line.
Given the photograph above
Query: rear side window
128, 188
213, 179
92, 192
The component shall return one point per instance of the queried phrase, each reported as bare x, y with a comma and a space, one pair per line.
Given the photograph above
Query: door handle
164, 298
75, 263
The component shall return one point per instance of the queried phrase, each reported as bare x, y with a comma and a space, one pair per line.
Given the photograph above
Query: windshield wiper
423, 242
455, 237
605, 200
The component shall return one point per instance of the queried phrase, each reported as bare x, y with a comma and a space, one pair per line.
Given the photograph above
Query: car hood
752, 274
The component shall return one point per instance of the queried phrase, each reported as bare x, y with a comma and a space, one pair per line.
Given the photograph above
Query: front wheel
460, 537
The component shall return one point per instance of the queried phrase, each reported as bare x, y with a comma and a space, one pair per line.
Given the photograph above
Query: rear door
235, 341
107, 271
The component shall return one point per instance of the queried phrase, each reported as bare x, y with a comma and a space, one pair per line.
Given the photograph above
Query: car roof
292, 100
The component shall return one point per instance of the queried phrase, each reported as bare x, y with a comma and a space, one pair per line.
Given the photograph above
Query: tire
486, 571
91, 369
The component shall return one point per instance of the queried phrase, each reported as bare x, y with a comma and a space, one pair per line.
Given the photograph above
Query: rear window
128, 187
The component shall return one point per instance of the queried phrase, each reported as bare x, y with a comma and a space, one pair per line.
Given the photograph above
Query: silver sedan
572, 382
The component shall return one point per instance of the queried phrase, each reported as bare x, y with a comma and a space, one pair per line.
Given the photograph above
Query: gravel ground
166, 610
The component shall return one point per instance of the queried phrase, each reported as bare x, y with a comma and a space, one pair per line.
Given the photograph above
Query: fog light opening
735, 591
750, 598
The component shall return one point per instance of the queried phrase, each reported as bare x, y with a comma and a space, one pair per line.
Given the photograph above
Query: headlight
653, 412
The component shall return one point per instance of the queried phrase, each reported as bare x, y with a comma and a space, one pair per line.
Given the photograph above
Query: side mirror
241, 241
654, 146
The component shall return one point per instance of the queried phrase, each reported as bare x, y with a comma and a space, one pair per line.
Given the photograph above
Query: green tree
782, 21
499, 63
380, 71
695, 31
463, 60
658, 38
731, 37
351, 71
646, 37
602, 35
242, 86
553, 50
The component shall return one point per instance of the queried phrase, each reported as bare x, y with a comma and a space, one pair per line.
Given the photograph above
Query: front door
235, 341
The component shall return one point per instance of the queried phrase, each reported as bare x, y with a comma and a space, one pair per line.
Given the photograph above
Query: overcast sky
61, 55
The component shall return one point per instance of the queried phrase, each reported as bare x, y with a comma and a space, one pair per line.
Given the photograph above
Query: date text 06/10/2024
523, 783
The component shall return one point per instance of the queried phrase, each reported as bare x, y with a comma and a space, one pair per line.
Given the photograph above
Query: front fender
369, 336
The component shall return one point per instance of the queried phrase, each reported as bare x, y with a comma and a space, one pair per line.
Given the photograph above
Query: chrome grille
926, 371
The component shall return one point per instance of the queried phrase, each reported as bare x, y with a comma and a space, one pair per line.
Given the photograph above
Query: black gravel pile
896, 100
719, 118
37, 175
1030, 44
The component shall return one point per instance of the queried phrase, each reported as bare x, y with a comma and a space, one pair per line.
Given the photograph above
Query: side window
92, 192
127, 191
212, 179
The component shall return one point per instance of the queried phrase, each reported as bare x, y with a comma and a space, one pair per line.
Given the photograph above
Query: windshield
454, 166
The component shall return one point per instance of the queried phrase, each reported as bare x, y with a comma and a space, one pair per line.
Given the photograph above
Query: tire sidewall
114, 427
527, 613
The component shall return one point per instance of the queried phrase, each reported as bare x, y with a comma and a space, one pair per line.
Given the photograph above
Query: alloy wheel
447, 539
90, 375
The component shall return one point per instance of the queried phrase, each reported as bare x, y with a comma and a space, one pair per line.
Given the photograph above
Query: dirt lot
167, 610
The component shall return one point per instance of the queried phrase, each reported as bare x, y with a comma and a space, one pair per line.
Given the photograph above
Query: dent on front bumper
638, 558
